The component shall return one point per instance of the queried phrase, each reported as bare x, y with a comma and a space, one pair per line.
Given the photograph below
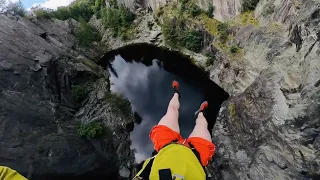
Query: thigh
162, 135
205, 148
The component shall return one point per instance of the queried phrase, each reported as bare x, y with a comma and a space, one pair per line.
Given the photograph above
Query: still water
144, 73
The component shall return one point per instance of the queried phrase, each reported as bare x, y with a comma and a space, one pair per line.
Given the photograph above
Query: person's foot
175, 86
203, 108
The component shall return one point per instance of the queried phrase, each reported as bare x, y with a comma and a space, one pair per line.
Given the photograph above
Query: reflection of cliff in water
143, 74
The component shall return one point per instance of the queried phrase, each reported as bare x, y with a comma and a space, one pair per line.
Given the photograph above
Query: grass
211, 25
276, 27
92, 130
244, 19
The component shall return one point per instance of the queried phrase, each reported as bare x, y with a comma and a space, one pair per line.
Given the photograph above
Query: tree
2, 5
8, 6
210, 10
87, 33
249, 5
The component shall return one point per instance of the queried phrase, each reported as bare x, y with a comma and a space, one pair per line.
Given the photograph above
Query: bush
113, 4
62, 13
194, 10
192, 40
86, 34
172, 29
77, 10
223, 32
14, 7
41, 12
80, 92
91, 130
81, 9
175, 35
190, 8
249, 5
119, 104
211, 58
118, 20
210, 10
234, 49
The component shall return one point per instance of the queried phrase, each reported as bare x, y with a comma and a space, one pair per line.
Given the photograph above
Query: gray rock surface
269, 129
39, 64
224, 9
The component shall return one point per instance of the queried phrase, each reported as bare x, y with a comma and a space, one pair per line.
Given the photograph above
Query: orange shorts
162, 135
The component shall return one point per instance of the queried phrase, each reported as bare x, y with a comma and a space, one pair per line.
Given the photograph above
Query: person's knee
173, 109
201, 120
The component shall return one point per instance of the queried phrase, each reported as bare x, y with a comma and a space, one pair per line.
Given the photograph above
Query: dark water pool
144, 73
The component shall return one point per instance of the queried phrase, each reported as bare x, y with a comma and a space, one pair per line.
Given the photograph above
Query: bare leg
201, 128
171, 118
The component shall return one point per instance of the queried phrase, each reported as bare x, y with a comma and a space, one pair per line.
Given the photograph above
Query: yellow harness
9, 174
174, 161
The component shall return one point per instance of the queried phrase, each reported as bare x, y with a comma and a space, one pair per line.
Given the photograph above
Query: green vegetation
119, 104
176, 34
76, 10
14, 7
80, 92
40, 12
113, 3
211, 58
119, 21
268, 9
80, 9
232, 111
223, 29
192, 39
234, 49
190, 8
62, 13
92, 130
86, 34
210, 10
297, 4
249, 5
171, 31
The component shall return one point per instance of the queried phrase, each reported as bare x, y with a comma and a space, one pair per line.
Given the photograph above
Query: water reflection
146, 82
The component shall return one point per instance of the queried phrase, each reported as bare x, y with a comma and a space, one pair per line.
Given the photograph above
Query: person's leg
200, 137
201, 128
168, 129
170, 119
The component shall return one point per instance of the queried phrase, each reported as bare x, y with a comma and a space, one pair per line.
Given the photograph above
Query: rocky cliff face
39, 65
224, 9
270, 128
